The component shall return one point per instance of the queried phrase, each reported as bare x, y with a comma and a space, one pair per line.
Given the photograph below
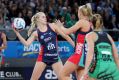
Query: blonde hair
97, 21
86, 10
34, 22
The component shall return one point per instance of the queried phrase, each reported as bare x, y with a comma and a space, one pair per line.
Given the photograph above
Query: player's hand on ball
14, 29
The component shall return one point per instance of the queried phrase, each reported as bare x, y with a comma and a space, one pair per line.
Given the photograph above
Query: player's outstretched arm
28, 41
65, 36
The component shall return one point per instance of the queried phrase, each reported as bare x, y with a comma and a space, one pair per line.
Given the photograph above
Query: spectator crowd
65, 10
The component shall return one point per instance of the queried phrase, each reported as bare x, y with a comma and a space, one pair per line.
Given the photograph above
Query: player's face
42, 18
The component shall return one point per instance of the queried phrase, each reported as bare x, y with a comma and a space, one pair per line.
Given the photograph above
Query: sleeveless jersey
103, 66
103, 48
79, 44
48, 42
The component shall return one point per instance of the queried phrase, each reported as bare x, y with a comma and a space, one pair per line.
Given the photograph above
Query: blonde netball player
81, 28
46, 33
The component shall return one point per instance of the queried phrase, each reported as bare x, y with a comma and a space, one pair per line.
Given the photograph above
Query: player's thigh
38, 69
68, 68
57, 67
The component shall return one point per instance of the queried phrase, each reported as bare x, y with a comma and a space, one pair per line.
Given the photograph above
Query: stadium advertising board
24, 73
16, 49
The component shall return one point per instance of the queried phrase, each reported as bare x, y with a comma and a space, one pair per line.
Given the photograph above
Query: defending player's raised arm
115, 51
71, 29
28, 41
61, 32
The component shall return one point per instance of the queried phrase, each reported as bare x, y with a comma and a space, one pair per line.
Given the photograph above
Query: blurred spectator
24, 12
107, 19
28, 17
58, 9
72, 21
13, 12
1, 20
116, 11
66, 14
113, 22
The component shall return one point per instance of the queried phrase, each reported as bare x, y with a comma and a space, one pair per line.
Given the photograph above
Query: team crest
42, 37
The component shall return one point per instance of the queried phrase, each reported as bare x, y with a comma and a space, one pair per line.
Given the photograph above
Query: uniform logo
50, 33
47, 39
42, 37
79, 48
51, 46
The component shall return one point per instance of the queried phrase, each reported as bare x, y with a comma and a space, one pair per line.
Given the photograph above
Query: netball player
3, 44
81, 28
47, 36
102, 60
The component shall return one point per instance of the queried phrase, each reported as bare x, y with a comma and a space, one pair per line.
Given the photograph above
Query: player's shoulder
91, 35
52, 26
81, 22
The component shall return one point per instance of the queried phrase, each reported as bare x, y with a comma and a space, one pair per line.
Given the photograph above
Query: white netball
19, 23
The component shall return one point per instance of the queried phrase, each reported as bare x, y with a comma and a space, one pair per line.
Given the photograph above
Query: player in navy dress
46, 33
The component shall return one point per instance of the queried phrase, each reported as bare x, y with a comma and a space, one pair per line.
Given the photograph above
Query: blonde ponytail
89, 10
86, 10
97, 21
33, 23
